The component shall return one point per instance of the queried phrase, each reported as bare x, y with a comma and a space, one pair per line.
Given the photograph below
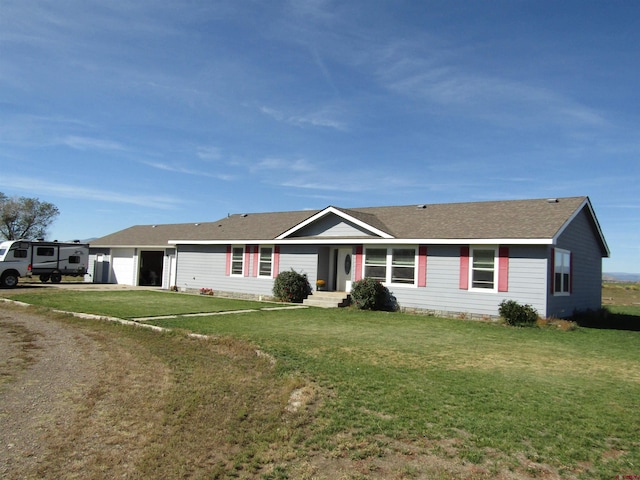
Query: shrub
291, 287
516, 314
370, 294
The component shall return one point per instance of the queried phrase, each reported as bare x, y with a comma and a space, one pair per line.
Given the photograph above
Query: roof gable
335, 222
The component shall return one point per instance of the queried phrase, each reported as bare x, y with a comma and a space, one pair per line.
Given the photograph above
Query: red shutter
553, 270
247, 259
256, 260
228, 270
358, 275
276, 260
422, 266
464, 268
503, 269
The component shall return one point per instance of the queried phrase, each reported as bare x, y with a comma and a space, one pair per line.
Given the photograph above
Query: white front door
344, 267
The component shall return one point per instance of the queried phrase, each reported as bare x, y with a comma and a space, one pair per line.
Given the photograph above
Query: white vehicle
49, 260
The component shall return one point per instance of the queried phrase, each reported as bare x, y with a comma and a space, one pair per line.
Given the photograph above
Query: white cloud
327, 117
30, 184
201, 172
87, 143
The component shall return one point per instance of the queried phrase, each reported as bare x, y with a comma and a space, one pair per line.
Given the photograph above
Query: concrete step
328, 299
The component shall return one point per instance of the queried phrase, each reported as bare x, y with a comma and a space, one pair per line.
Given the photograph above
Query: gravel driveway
70, 399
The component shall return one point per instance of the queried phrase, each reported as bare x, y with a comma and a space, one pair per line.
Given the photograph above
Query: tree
22, 217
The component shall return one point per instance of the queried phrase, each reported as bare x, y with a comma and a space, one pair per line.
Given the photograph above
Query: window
266, 261
375, 263
562, 272
74, 259
483, 268
391, 265
20, 253
237, 261
403, 265
45, 251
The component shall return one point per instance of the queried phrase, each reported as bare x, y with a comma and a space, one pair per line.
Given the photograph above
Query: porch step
328, 299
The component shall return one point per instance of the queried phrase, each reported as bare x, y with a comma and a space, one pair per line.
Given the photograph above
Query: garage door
123, 266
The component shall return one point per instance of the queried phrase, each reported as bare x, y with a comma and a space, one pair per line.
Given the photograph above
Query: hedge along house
462, 258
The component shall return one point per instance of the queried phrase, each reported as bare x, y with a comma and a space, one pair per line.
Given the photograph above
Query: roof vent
552, 200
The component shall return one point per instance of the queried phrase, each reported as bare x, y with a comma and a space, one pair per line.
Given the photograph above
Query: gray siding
301, 258
581, 239
332, 226
205, 267
527, 279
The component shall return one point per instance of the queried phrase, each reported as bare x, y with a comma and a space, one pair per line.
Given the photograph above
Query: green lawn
557, 397
132, 304
481, 392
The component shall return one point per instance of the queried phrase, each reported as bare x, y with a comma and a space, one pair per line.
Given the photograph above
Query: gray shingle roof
516, 219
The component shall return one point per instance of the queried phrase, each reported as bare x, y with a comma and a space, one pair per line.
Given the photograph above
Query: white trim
376, 241
586, 203
389, 264
562, 293
340, 214
260, 247
474, 247
244, 251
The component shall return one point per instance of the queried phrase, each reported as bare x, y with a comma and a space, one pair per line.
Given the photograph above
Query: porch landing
328, 299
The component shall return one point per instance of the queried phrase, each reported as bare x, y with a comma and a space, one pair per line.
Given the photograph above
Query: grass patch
530, 400
132, 304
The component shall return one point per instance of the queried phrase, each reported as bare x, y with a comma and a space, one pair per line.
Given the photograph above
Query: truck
48, 260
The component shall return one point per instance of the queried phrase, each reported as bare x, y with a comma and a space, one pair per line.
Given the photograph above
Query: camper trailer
48, 260
52, 260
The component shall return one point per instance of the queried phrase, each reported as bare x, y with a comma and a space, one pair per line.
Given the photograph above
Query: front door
343, 268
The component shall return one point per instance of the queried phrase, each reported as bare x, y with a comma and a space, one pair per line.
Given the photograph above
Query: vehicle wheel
44, 278
56, 277
9, 280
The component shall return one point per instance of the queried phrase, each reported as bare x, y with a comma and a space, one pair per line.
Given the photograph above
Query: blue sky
134, 112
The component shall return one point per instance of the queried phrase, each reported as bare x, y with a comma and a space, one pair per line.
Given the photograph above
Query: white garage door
122, 266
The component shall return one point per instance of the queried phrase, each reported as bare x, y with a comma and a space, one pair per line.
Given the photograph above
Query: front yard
376, 392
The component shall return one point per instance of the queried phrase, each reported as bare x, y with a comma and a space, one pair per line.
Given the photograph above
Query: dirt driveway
62, 389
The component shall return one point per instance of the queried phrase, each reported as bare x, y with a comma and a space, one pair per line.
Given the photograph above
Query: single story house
455, 259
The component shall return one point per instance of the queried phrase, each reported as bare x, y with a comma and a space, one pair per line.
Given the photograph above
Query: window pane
403, 256
377, 272
482, 279
402, 274
376, 256
483, 259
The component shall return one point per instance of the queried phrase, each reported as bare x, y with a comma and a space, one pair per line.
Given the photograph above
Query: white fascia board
340, 214
146, 247
374, 241
586, 203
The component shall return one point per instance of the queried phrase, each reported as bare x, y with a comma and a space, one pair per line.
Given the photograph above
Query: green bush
370, 294
291, 287
516, 314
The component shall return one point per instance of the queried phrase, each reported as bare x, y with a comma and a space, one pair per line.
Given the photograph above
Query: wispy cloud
87, 143
201, 172
31, 184
209, 153
327, 117
283, 165
442, 79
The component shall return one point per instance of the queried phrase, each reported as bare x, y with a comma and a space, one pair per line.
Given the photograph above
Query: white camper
52, 260
48, 260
